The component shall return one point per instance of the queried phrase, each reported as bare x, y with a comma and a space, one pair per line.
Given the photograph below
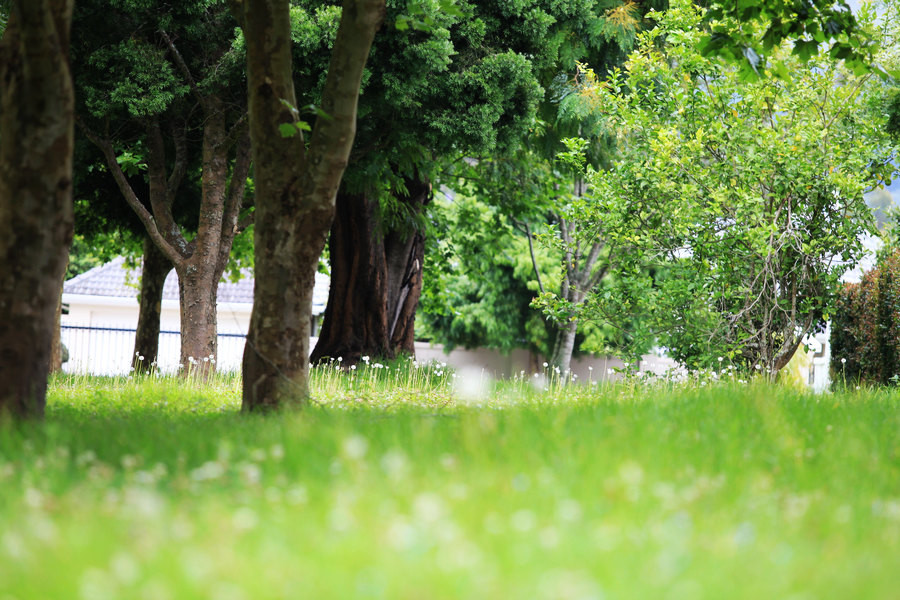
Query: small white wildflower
355, 447
277, 451
244, 519
843, 361
546, 365
720, 359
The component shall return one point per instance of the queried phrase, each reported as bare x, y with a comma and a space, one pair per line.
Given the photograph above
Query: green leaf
287, 130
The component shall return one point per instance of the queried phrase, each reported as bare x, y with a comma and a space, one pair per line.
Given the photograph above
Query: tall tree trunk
56, 348
376, 280
36, 142
154, 270
405, 257
197, 292
564, 346
200, 271
295, 188
355, 321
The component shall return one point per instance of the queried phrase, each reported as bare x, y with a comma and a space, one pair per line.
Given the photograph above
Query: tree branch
183, 67
160, 198
131, 198
527, 231
240, 128
235, 197
245, 222
179, 169
332, 137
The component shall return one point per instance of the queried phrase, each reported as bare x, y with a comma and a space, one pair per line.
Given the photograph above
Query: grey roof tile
116, 279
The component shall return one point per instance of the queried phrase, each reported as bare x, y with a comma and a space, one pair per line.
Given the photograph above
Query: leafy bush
865, 331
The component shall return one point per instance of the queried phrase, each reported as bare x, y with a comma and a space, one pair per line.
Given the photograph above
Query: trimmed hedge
865, 328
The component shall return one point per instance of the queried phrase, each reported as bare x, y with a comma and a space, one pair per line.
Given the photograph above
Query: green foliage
468, 84
751, 31
479, 281
865, 328
420, 14
131, 78
102, 248
734, 206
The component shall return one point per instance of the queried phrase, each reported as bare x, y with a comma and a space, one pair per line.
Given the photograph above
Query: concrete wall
518, 362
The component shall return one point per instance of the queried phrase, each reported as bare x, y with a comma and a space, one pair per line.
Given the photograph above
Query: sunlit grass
402, 482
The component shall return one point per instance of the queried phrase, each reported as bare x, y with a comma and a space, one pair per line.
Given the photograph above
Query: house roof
116, 279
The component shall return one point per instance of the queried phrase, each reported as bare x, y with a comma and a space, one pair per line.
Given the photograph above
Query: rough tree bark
154, 270
36, 142
296, 187
376, 280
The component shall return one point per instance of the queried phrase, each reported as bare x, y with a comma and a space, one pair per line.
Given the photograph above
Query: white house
102, 317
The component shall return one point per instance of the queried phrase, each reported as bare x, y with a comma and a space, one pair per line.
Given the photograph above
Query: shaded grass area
398, 489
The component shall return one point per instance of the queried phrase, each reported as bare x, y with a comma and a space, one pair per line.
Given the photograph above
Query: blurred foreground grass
159, 488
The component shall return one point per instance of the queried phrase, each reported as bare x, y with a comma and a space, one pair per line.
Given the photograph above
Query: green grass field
397, 488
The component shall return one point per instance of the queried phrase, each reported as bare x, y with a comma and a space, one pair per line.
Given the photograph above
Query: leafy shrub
865, 330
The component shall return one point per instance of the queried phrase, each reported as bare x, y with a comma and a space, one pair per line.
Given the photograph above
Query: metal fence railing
99, 350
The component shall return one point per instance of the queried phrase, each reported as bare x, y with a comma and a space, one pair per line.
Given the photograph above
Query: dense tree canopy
745, 197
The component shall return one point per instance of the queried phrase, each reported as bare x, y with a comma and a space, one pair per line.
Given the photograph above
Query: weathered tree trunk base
276, 355
154, 270
199, 337
376, 280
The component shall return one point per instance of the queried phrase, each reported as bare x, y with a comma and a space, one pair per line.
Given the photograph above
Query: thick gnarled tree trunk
154, 270
36, 141
376, 280
296, 187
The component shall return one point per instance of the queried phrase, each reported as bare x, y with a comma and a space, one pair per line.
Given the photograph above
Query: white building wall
99, 334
